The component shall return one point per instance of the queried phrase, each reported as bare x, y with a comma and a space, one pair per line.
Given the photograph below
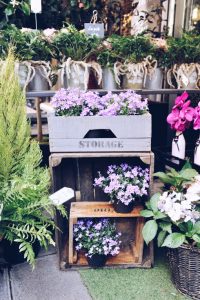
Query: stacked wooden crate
75, 162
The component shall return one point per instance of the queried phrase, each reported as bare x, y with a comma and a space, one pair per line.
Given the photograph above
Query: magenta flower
182, 114
196, 125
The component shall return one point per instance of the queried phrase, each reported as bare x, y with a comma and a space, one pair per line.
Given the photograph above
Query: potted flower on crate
137, 62
125, 185
78, 113
183, 57
73, 49
98, 239
174, 217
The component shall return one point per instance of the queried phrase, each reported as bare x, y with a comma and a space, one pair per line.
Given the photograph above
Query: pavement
45, 282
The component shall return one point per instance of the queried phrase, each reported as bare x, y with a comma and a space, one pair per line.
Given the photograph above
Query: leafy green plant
70, 42
183, 50
25, 209
131, 48
174, 216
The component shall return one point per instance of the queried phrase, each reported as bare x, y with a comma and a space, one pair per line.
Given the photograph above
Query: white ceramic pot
108, 80
178, 145
197, 152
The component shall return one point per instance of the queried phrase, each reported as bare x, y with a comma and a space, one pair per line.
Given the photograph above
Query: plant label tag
63, 195
94, 29
36, 6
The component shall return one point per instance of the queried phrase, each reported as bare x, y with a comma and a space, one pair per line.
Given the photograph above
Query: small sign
36, 6
94, 29
63, 195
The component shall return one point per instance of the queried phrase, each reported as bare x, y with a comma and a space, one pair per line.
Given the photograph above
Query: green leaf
187, 165
196, 238
9, 11
159, 215
164, 177
174, 240
25, 8
188, 174
161, 238
149, 231
197, 227
146, 213
154, 201
166, 226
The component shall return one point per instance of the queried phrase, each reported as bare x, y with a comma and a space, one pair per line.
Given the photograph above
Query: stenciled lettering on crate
129, 133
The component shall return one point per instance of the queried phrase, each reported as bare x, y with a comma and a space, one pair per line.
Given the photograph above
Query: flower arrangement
97, 237
73, 102
175, 215
182, 114
124, 184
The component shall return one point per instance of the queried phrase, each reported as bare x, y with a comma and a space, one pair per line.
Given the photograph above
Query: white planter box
133, 133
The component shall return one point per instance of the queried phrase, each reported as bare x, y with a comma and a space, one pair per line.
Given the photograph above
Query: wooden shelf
100, 209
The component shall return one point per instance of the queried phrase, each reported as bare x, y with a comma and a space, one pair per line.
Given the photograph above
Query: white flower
194, 188
176, 212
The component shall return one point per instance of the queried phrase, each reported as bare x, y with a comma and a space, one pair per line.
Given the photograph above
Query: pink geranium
182, 114
196, 125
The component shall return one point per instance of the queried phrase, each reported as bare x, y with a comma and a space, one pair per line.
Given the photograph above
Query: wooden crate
131, 253
130, 133
77, 171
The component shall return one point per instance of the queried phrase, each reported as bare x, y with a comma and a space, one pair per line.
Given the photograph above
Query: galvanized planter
130, 133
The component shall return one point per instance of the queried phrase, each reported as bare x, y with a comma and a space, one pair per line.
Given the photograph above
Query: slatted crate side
130, 133
77, 172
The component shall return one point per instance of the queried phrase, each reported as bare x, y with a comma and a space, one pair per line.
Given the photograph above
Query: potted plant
107, 58
183, 61
137, 62
87, 111
73, 49
25, 208
174, 218
125, 186
98, 239
180, 118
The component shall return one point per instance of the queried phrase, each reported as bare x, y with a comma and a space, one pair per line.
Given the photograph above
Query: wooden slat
86, 180
139, 241
99, 209
99, 154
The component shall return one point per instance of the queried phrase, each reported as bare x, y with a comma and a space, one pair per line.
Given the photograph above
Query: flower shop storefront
121, 108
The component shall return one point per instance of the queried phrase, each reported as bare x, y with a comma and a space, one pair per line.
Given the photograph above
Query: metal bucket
133, 82
39, 82
75, 80
155, 82
108, 81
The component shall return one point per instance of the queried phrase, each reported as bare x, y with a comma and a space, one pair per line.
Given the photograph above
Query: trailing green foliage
25, 208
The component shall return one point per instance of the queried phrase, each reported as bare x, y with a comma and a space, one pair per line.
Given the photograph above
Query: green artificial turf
131, 284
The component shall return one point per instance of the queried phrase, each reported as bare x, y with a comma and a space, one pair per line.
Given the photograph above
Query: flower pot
39, 81
120, 207
184, 265
155, 82
178, 145
186, 76
11, 252
197, 152
109, 82
133, 82
97, 260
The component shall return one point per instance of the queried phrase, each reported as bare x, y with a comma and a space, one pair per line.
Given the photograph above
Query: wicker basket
185, 268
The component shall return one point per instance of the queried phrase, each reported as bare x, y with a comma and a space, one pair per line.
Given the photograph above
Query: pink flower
182, 114
196, 125
180, 100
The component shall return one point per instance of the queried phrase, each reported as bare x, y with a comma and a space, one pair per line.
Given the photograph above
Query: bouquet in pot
175, 214
98, 238
125, 185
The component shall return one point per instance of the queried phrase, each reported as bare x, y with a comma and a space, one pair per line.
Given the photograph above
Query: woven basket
185, 268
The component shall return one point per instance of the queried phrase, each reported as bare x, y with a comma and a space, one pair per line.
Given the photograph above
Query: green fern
25, 209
